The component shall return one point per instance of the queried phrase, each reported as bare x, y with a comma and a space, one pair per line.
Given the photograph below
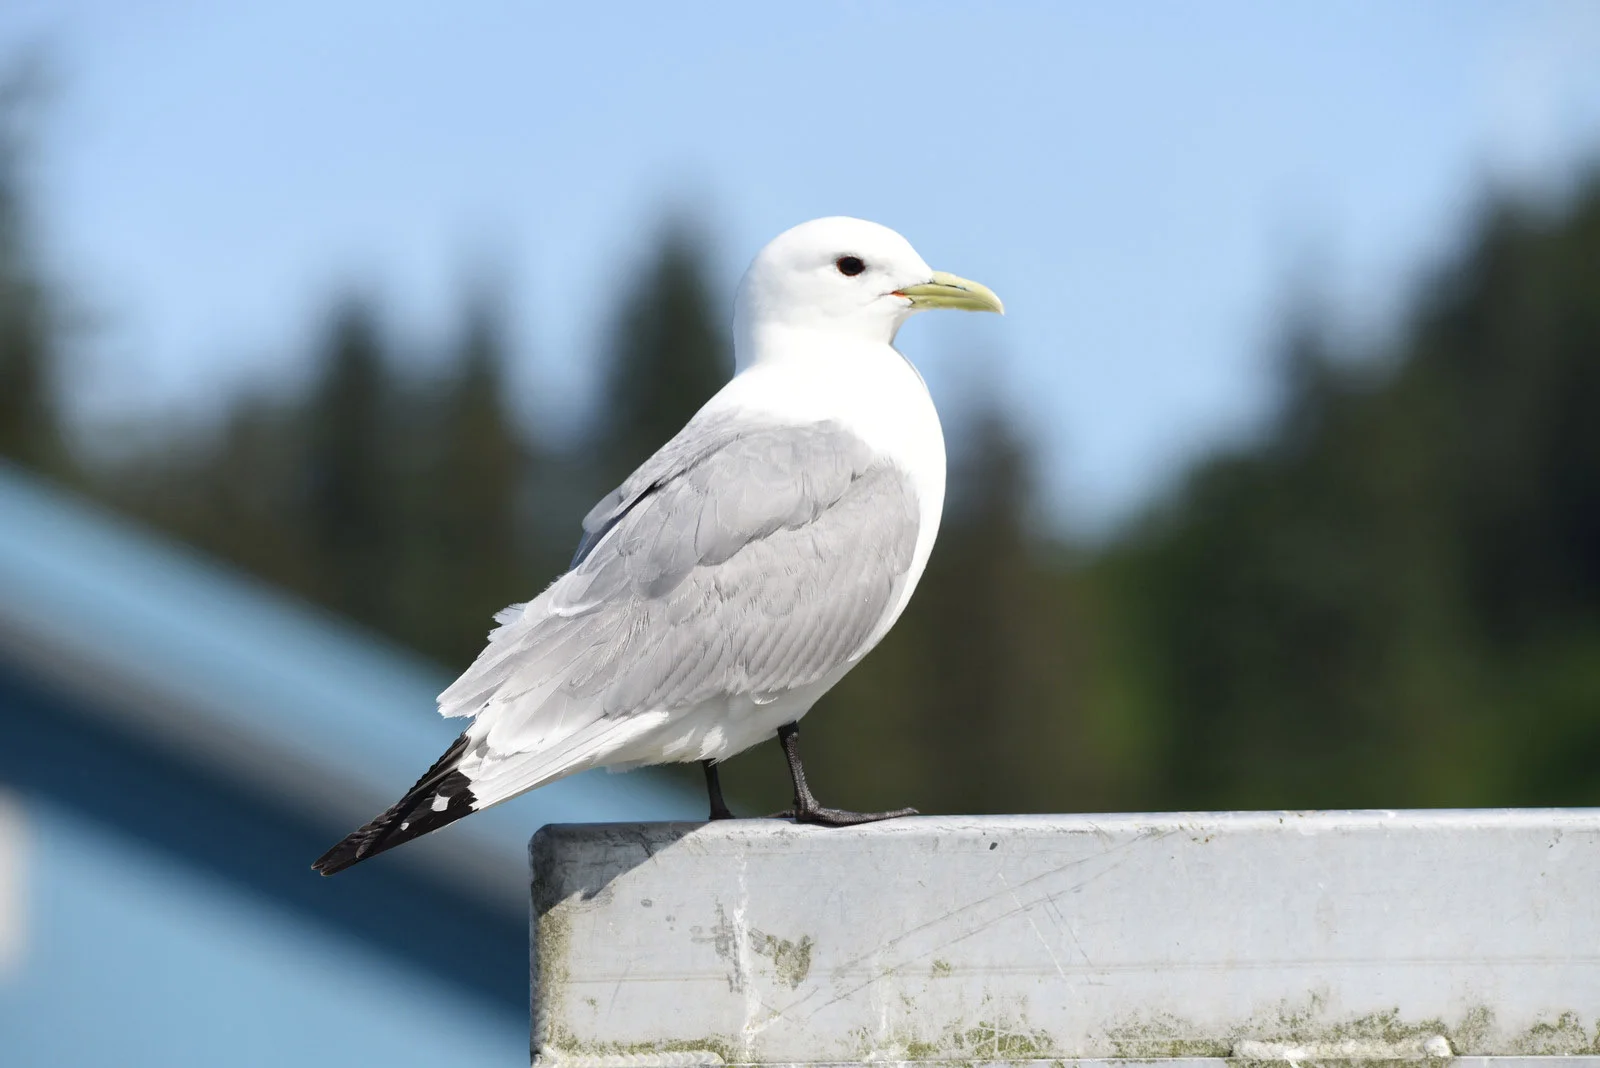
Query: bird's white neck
759, 337
804, 374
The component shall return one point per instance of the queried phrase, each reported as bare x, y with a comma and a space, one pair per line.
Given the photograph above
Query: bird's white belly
722, 727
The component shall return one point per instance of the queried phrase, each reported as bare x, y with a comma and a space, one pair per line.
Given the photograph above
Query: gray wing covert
702, 437
748, 560
761, 567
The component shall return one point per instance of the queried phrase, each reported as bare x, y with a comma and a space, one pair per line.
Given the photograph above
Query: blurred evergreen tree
1394, 598
30, 336
350, 505
994, 634
668, 354
248, 493
471, 550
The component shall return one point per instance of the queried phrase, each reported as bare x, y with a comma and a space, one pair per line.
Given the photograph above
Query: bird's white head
844, 277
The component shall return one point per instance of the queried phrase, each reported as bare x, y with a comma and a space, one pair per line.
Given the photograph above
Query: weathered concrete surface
1297, 937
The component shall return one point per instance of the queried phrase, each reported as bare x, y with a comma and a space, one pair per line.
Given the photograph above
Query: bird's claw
838, 817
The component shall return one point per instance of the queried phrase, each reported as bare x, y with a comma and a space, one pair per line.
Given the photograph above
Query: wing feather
743, 559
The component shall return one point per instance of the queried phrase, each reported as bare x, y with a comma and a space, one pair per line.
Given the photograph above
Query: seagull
739, 573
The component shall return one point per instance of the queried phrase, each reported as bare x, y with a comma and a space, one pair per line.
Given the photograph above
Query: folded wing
742, 559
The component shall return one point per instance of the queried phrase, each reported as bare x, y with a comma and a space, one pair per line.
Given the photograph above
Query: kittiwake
741, 571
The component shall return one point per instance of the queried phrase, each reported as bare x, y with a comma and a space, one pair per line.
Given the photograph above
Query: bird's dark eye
849, 266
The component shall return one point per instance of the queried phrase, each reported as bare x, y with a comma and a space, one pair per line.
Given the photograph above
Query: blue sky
1144, 185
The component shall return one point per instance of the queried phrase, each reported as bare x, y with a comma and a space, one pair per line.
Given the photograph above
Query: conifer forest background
1390, 596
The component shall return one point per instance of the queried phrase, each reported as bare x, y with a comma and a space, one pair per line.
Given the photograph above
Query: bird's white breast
805, 377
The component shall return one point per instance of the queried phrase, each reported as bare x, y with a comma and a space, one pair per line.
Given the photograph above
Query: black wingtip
339, 857
415, 814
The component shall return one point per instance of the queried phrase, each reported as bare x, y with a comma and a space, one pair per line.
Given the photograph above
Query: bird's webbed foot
805, 808
823, 816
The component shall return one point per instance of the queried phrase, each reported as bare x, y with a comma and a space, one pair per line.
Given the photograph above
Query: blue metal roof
327, 721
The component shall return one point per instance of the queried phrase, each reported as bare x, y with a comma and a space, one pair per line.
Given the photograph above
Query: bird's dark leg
806, 809
719, 807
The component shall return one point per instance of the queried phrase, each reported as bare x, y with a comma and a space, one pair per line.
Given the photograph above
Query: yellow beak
951, 291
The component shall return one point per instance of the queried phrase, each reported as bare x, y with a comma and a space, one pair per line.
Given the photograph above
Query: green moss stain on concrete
1374, 1038
1164, 1035
1379, 1028
921, 1051
1471, 1035
1565, 1036
995, 1037
941, 969
998, 1042
711, 1050
552, 942
791, 961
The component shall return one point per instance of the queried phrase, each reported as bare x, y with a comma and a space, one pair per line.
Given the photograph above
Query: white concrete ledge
1192, 938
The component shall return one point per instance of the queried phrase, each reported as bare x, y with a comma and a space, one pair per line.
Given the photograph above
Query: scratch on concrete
1027, 914
1064, 924
964, 910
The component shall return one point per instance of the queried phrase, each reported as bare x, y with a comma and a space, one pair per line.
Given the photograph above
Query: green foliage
1394, 598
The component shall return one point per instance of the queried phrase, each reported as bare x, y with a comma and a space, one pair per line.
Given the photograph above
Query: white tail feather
497, 777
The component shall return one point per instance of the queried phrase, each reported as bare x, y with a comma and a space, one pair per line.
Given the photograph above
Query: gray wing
741, 559
695, 443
